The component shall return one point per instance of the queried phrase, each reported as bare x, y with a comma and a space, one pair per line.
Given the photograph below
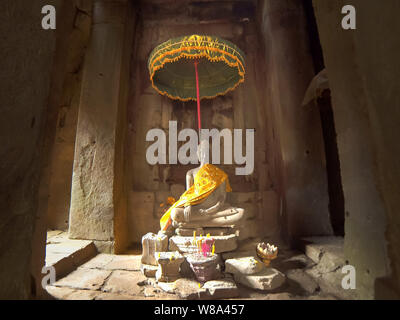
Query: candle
213, 249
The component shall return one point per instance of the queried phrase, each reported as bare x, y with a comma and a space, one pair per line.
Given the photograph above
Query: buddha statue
203, 203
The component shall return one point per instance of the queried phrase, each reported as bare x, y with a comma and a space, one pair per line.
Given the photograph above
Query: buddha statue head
203, 152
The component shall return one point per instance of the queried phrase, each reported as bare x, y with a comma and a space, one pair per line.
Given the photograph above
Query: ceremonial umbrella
195, 67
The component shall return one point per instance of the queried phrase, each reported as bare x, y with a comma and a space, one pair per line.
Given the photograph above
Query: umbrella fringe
222, 58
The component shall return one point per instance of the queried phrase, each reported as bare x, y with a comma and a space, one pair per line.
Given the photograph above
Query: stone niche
151, 185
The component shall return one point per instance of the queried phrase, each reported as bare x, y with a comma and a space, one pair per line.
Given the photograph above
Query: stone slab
190, 289
243, 265
221, 289
124, 262
65, 255
90, 279
267, 279
114, 262
65, 293
317, 247
124, 282
116, 296
99, 261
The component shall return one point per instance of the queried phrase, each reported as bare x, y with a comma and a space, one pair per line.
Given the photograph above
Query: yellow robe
207, 179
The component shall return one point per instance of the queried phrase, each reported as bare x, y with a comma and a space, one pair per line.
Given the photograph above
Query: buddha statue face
202, 152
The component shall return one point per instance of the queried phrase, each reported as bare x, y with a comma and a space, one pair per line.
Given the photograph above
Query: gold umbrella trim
204, 54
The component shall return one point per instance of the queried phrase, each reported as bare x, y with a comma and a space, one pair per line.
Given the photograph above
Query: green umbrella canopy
220, 67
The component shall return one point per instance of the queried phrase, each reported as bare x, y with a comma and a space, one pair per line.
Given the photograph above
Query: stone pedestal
152, 243
168, 266
187, 232
185, 245
205, 268
213, 231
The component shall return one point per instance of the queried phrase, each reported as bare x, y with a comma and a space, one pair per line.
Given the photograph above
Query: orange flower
171, 200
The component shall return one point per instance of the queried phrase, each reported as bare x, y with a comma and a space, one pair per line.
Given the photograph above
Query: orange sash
207, 179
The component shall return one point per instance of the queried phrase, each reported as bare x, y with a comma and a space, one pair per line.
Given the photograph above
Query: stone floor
111, 277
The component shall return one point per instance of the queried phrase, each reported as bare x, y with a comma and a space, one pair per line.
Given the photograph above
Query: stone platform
118, 277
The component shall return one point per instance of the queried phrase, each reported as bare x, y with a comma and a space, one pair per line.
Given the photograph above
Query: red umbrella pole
198, 95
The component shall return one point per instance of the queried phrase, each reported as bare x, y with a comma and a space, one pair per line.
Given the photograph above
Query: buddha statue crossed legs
203, 203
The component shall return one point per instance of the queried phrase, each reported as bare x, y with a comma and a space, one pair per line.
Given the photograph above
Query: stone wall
363, 69
297, 147
98, 197
28, 59
68, 95
241, 109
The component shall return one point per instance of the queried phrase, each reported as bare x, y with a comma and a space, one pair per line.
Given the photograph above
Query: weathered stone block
168, 266
243, 265
267, 279
190, 289
152, 243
